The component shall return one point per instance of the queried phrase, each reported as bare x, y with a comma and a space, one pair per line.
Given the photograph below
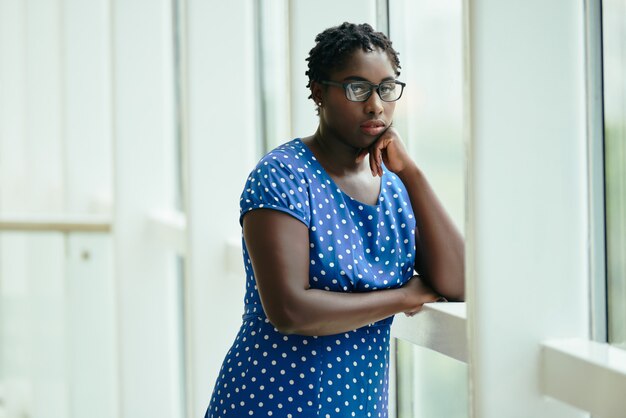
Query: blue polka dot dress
354, 247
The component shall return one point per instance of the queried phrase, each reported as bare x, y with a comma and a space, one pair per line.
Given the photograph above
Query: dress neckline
307, 150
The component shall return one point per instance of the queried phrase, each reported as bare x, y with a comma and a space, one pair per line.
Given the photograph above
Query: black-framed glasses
360, 91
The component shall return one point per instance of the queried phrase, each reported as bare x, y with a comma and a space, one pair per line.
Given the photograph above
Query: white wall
527, 218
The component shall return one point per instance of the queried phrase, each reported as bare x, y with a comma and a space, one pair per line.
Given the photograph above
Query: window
428, 35
614, 67
79, 295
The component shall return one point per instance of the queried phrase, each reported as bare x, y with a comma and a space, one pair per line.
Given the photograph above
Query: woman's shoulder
290, 153
279, 181
291, 158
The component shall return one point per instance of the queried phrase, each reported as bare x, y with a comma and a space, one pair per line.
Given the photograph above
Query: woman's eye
387, 88
359, 89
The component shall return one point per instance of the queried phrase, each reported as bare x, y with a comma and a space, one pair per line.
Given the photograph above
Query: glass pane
287, 32
57, 326
614, 63
437, 386
273, 60
428, 35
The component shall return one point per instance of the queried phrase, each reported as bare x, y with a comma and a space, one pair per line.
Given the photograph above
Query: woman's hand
419, 293
389, 149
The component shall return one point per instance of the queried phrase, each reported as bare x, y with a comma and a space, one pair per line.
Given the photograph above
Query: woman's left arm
440, 249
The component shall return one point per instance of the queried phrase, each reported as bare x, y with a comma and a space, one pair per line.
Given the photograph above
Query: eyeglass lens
359, 91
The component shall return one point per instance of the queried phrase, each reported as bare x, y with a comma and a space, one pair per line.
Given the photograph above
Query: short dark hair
334, 45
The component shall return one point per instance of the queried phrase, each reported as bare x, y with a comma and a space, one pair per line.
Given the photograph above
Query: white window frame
514, 316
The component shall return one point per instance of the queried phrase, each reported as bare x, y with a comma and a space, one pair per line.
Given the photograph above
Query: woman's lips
373, 128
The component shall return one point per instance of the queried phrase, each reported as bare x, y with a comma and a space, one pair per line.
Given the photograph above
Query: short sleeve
276, 184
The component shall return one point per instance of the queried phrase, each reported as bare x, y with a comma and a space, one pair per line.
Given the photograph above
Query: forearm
441, 253
321, 312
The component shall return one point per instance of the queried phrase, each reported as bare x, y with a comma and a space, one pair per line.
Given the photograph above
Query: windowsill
586, 374
170, 228
54, 223
438, 326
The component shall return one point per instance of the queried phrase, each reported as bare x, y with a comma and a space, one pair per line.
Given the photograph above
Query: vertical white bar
143, 152
220, 154
34, 361
15, 355
31, 174
92, 350
87, 103
595, 133
92, 345
46, 319
12, 103
614, 56
42, 179
527, 209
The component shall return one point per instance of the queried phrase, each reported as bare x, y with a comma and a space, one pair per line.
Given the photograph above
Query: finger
413, 312
380, 147
380, 150
374, 158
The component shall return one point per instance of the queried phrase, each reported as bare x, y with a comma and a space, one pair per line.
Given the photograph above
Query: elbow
292, 328
287, 321
454, 290
454, 295
449, 283
286, 311
283, 326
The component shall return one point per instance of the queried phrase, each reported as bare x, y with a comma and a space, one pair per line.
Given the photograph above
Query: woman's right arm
278, 245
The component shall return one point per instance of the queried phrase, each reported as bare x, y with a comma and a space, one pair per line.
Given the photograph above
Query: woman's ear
316, 92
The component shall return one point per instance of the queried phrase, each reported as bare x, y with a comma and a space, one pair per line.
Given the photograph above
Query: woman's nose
374, 104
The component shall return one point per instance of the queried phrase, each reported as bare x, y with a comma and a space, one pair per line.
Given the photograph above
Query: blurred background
127, 130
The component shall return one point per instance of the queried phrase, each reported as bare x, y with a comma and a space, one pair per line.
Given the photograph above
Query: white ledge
52, 223
438, 326
585, 374
170, 228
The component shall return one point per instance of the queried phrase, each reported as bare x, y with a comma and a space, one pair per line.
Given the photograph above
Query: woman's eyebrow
358, 78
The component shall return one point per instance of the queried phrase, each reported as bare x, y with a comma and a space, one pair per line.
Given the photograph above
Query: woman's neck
336, 156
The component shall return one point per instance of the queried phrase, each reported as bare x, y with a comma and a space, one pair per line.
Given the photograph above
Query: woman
335, 227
